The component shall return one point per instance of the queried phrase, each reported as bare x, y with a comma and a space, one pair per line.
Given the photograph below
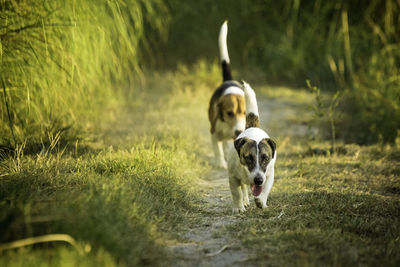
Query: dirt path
209, 242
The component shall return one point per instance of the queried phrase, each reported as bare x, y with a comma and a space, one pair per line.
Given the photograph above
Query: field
146, 191
105, 151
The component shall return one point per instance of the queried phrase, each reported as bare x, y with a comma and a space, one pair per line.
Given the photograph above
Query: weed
329, 111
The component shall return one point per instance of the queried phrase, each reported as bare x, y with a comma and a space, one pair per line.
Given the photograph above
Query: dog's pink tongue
256, 189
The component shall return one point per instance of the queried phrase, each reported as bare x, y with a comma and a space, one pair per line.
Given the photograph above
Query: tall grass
64, 63
351, 46
122, 201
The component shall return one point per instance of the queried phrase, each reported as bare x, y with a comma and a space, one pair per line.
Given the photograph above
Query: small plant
326, 111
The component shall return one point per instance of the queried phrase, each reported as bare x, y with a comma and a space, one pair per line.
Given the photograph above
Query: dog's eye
264, 157
249, 159
230, 114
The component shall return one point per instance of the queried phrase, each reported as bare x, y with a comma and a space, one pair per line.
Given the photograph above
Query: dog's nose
237, 132
258, 180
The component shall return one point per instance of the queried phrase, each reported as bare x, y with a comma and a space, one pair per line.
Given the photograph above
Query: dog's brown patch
231, 106
247, 151
228, 108
214, 113
252, 120
266, 149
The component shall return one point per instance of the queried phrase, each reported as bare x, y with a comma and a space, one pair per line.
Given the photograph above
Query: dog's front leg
237, 197
218, 152
225, 147
245, 194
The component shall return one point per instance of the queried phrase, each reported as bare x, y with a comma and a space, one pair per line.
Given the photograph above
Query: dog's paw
246, 203
260, 204
236, 210
222, 164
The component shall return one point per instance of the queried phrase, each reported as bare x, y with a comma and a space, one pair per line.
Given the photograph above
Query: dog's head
231, 110
257, 154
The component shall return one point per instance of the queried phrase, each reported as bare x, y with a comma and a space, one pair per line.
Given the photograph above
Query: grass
66, 65
341, 209
61, 65
89, 150
105, 199
124, 195
117, 196
111, 200
338, 46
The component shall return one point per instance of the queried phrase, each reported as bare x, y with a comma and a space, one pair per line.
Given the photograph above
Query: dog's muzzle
256, 186
258, 180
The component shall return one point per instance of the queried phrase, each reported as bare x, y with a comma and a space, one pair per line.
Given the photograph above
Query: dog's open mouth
256, 189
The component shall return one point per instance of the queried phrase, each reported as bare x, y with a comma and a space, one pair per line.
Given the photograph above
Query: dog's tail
223, 52
252, 116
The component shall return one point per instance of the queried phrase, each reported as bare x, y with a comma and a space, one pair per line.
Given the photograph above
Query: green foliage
120, 199
372, 110
323, 112
61, 256
63, 62
336, 44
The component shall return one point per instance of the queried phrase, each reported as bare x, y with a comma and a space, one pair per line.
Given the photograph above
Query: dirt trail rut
208, 243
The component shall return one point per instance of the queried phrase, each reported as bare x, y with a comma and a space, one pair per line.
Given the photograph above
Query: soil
209, 242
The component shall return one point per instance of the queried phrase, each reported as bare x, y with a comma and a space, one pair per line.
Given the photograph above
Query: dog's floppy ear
272, 144
220, 115
239, 143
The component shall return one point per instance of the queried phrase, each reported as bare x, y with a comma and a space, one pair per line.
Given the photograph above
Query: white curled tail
223, 48
252, 115
251, 100
223, 52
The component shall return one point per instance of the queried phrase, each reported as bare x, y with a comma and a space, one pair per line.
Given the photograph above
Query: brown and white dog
251, 161
227, 106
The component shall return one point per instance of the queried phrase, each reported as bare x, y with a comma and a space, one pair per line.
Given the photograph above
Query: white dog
251, 161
